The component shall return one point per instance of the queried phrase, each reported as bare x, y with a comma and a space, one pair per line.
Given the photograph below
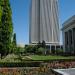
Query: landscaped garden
50, 57
20, 58
28, 60
45, 68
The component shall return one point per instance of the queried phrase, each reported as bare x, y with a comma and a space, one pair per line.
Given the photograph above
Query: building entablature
69, 24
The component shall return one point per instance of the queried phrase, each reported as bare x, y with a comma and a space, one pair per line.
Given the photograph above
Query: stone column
50, 48
74, 39
66, 41
70, 40
55, 47
63, 33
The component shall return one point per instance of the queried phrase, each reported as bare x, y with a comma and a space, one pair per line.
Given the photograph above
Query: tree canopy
6, 26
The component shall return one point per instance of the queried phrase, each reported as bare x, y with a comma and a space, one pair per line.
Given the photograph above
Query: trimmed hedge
30, 63
20, 64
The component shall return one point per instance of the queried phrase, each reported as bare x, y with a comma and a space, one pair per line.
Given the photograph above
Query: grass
16, 58
10, 58
50, 57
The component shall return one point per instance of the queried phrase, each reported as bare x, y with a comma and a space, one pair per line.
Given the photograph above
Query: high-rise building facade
44, 24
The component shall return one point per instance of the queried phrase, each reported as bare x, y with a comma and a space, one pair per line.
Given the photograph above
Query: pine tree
6, 26
14, 39
14, 43
43, 44
1, 42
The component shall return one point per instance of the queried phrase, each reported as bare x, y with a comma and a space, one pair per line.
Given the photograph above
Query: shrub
40, 50
30, 49
59, 52
20, 64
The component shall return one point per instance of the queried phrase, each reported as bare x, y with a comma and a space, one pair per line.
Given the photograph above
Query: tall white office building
44, 24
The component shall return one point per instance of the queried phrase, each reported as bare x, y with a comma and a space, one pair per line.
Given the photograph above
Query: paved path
70, 71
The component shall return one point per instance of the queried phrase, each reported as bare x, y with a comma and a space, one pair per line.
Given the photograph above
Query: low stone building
69, 35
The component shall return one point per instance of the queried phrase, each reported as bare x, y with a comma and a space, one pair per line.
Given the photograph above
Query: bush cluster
20, 64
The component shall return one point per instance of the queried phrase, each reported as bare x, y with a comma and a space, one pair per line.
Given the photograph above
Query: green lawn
16, 58
50, 57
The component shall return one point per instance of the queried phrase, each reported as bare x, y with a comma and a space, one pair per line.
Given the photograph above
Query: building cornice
69, 22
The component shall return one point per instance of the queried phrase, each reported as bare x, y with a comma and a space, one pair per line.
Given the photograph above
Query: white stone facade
44, 24
69, 35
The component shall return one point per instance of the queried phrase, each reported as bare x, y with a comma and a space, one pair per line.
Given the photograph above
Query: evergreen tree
6, 26
1, 44
14, 43
0, 13
39, 44
14, 39
43, 44
0, 21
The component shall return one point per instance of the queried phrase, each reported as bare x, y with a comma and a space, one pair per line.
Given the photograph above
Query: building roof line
68, 22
